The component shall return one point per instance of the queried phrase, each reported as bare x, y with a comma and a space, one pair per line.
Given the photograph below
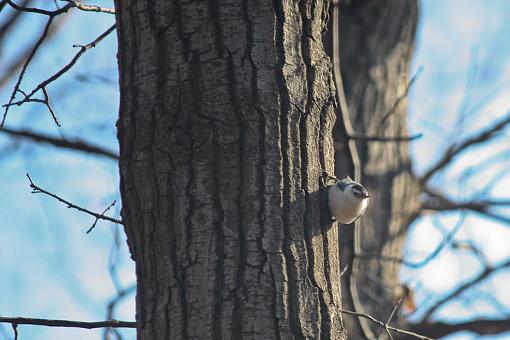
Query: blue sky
464, 50
52, 269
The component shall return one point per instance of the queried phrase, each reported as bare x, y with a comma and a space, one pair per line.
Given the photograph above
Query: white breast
345, 208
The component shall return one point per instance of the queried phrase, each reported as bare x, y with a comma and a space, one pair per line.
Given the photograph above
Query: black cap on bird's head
360, 191
357, 189
344, 183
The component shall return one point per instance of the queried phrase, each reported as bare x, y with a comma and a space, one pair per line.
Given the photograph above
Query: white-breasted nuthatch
347, 200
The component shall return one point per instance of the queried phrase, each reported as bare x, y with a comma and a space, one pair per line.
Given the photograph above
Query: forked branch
36, 189
455, 149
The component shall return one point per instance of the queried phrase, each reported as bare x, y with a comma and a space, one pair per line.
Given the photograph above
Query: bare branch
438, 202
25, 66
36, 189
481, 327
344, 270
499, 158
75, 144
90, 8
2, 4
51, 14
121, 294
466, 285
11, 21
102, 213
42, 85
47, 103
397, 102
454, 149
444, 242
383, 325
9, 70
67, 323
113, 262
370, 138
392, 314
395, 309
15, 330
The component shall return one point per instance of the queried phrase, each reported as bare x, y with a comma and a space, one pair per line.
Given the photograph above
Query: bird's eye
357, 189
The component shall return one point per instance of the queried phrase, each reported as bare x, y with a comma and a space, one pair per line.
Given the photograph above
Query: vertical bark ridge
291, 296
204, 193
259, 127
220, 239
220, 285
269, 223
309, 170
216, 26
239, 279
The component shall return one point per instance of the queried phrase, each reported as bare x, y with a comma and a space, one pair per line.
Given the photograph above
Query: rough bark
376, 43
226, 117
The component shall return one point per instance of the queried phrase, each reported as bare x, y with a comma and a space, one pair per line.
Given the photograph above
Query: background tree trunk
226, 118
376, 45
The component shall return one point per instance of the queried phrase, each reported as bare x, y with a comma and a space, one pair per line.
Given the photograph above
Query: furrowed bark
226, 117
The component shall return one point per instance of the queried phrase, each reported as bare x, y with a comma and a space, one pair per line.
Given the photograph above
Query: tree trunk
226, 118
376, 44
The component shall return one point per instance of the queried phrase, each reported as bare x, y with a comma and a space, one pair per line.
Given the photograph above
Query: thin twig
395, 309
480, 327
15, 330
75, 144
25, 66
19, 60
91, 8
11, 21
454, 149
387, 330
397, 102
2, 4
344, 270
121, 294
466, 285
47, 103
383, 325
113, 263
36, 189
445, 241
372, 138
51, 14
102, 214
68, 323
438, 202
83, 49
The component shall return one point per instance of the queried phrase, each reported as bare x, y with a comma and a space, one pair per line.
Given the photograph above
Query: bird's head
353, 189
359, 191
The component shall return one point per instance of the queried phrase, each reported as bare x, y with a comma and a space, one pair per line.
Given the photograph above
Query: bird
347, 200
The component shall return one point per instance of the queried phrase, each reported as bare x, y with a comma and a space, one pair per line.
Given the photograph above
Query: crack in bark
236, 106
217, 29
